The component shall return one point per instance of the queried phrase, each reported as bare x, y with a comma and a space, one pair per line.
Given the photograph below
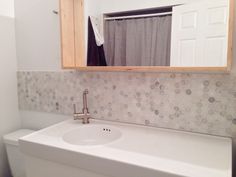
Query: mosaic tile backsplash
204, 103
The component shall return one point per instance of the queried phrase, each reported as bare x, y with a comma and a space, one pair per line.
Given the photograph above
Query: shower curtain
138, 42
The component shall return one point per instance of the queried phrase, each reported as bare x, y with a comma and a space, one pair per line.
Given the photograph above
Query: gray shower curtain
138, 42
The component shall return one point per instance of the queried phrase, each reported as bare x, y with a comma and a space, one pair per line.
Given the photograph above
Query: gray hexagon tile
204, 103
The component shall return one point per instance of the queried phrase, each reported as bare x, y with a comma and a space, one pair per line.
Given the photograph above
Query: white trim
138, 16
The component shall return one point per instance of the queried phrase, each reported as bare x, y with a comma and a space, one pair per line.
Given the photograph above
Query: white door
200, 34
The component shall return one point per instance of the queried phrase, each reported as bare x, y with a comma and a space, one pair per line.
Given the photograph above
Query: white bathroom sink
92, 135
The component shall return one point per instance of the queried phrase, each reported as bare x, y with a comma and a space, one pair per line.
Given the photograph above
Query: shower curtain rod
138, 16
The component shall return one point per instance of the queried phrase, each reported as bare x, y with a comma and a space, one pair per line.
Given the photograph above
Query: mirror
150, 35
166, 33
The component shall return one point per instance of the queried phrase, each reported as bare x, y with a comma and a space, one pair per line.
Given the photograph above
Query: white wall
37, 35
7, 8
9, 118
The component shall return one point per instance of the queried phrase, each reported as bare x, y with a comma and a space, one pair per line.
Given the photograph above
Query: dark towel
96, 55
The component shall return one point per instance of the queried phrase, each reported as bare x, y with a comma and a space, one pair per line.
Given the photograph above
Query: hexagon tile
204, 103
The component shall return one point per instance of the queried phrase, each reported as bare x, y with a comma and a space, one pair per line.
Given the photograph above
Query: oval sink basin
90, 135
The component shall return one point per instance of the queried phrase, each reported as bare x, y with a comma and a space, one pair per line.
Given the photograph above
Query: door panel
206, 23
187, 52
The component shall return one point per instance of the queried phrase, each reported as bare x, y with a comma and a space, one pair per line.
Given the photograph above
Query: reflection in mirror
174, 33
138, 40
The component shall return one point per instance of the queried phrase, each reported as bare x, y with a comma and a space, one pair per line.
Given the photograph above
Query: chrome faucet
84, 116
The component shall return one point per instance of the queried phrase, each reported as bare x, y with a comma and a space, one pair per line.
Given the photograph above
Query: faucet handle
74, 105
86, 91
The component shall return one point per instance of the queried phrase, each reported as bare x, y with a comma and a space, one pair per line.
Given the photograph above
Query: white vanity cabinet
132, 151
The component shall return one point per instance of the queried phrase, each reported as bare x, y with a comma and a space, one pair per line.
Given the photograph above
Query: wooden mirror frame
73, 44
